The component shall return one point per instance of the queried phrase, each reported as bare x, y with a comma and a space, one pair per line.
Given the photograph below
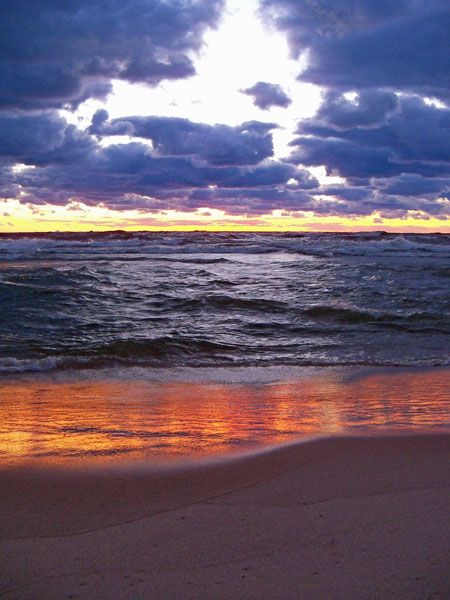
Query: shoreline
340, 517
227, 374
177, 414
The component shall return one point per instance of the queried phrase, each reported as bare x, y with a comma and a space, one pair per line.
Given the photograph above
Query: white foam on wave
101, 246
16, 365
397, 245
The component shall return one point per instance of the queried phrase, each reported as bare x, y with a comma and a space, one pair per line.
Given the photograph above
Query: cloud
344, 158
376, 62
265, 95
180, 171
70, 165
344, 192
375, 126
220, 145
410, 137
361, 44
415, 185
415, 131
39, 139
393, 151
24, 135
57, 53
367, 110
247, 202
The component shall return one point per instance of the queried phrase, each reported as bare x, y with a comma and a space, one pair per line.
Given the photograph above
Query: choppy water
206, 299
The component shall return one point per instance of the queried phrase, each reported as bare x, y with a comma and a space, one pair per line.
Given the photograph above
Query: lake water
157, 344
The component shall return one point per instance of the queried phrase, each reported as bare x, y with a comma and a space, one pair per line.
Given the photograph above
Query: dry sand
337, 518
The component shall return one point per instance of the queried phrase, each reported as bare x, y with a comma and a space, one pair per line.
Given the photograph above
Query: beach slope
336, 518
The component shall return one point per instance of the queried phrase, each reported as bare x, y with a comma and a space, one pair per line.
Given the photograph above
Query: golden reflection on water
55, 422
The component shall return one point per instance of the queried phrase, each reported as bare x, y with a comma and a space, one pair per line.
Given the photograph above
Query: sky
225, 114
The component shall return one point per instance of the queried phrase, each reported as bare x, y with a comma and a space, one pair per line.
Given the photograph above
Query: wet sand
97, 417
335, 518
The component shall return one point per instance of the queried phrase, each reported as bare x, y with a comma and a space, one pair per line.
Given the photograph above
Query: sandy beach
340, 517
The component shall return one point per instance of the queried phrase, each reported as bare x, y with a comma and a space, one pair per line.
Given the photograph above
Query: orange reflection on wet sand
69, 422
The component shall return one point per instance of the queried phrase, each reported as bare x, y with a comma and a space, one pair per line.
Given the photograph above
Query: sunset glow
228, 116
50, 218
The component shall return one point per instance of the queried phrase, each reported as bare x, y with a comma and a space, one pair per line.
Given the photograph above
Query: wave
217, 302
14, 367
360, 315
196, 260
161, 348
17, 365
144, 245
232, 303
162, 351
397, 245
198, 301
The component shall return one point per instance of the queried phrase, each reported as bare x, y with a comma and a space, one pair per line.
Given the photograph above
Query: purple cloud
358, 44
390, 144
187, 158
219, 145
265, 95
57, 53
368, 110
412, 138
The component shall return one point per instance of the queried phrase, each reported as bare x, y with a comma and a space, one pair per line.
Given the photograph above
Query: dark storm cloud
344, 158
415, 131
357, 44
377, 62
54, 52
265, 95
40, 139
371, 109
140, 172
344, 192
249, 143
23, 135
411, 137
126, 176
183, 154
70, 165
415, 185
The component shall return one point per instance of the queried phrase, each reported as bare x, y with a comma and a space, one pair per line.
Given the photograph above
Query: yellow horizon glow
18, 218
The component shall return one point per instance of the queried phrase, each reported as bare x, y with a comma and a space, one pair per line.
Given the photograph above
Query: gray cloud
358, 44
392, 147
70, 165
249, 143
55, 53
415, 185
413, 138
265, 95
44, 138
371, 109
